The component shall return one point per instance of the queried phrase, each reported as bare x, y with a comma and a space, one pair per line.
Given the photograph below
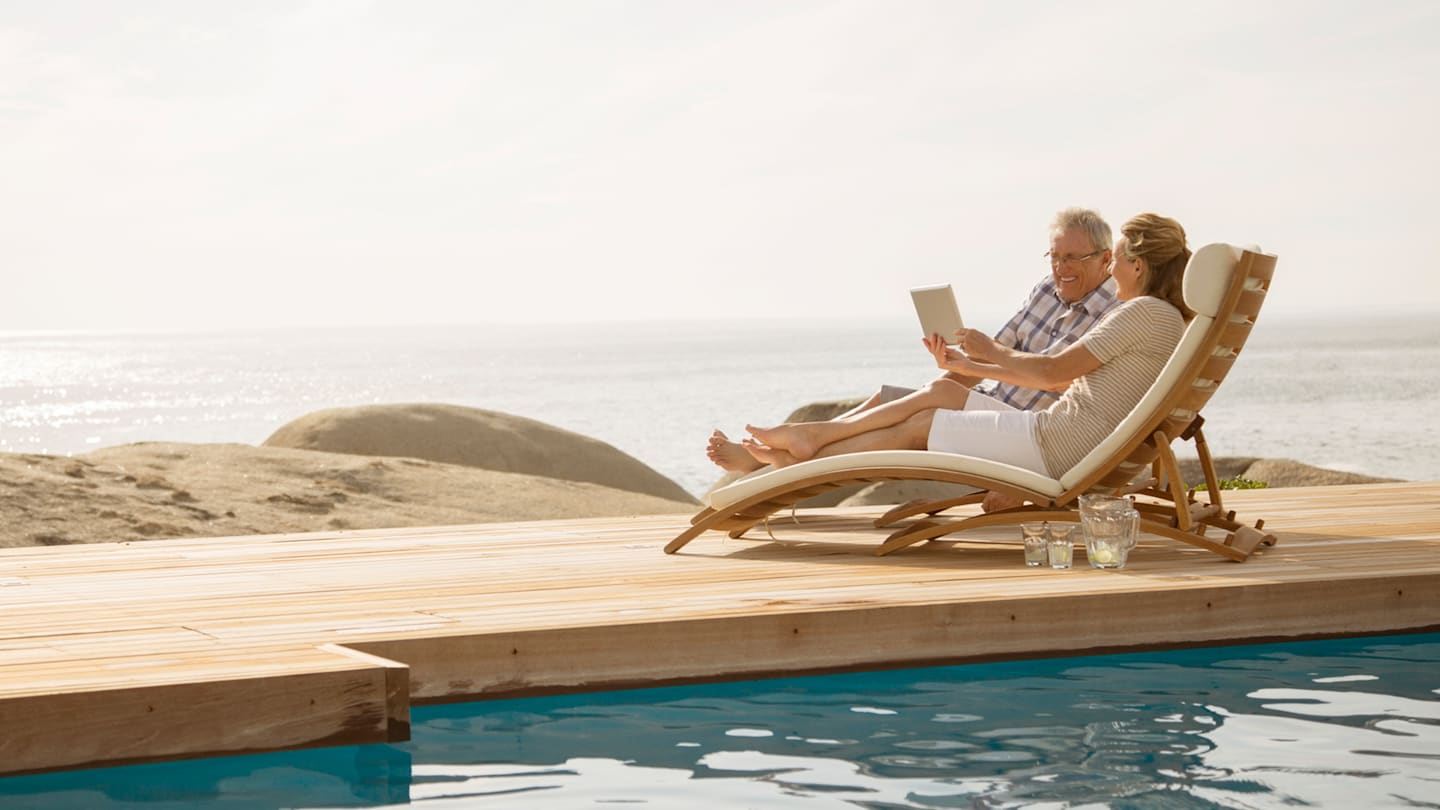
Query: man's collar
1094, 302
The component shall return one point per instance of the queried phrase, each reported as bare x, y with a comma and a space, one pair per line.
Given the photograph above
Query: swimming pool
1340, 723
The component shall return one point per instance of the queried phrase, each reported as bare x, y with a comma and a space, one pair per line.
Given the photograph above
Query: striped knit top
1133, 342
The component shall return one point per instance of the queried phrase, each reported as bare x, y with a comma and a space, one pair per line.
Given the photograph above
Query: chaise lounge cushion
922, 462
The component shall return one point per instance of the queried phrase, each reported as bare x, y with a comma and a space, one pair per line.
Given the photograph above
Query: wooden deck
131, 652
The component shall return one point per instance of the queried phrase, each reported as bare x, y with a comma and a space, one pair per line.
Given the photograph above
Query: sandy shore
156, 490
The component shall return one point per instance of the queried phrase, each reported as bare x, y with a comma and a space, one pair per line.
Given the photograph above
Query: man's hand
977, 345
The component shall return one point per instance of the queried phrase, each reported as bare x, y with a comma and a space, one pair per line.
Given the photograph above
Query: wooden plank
329, 705
249, 630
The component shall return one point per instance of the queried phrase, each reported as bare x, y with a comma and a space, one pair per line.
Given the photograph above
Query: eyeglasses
1056, 261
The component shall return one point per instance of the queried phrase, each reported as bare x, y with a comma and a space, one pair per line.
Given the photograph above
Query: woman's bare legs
804, 440
913, 433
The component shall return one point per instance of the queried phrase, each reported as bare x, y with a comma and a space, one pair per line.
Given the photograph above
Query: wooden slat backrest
1234, 321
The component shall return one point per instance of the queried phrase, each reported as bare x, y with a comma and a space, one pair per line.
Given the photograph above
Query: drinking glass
1059, 546
1036, 538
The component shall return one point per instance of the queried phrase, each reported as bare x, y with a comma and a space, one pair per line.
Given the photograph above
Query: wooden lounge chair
1224, 285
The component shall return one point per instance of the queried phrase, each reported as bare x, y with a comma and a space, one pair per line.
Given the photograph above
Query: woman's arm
983, 357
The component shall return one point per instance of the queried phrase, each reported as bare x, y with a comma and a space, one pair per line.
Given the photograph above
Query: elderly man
1061, 308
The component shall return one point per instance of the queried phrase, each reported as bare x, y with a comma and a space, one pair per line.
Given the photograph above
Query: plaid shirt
1047, 324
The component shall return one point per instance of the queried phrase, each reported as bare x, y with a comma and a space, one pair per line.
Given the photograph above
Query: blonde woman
1103, 375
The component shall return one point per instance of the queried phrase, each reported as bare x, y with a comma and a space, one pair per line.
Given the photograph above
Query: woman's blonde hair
1160, 241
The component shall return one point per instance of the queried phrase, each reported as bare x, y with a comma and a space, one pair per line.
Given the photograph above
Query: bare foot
730, 456
768, 455
797, 439
996, 501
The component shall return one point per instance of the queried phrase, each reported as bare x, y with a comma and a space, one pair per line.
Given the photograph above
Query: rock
223, 490
822, 411
1276, 472
1225, 467
473, 437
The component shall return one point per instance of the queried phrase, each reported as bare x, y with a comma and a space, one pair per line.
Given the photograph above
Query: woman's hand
946, 358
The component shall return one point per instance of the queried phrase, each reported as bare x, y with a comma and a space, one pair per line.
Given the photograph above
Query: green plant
1233, 483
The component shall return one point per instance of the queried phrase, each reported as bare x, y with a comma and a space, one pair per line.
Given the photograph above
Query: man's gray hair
1086, 220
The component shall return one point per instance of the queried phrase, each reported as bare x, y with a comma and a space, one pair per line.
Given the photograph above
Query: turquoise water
1350, 723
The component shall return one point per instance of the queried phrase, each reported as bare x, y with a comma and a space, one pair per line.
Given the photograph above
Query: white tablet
939, 314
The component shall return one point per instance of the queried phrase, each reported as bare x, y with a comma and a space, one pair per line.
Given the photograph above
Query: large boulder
822, 411
1280, 472
473, 437
1225, 467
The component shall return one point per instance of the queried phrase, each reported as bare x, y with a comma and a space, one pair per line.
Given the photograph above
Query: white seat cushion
918, 460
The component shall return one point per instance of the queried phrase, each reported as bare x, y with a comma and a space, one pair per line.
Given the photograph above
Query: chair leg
931, 529
1177, 493
1238, 554
735, 524
910, 535
1212, 481
924, 506
1248, 538
686, 536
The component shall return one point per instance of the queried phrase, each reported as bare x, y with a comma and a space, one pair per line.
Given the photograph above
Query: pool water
1349, 723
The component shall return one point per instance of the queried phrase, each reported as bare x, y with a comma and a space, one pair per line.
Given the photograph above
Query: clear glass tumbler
1037, 536
1059, 547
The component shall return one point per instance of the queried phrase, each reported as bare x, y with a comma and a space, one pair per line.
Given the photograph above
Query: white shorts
989, 429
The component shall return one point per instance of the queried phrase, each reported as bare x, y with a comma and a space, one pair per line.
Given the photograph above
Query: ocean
1360, 395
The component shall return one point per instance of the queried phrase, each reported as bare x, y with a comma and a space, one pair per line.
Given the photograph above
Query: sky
203, 164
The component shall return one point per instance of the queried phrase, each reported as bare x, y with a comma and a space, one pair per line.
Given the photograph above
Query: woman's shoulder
1148, 312
1151, 306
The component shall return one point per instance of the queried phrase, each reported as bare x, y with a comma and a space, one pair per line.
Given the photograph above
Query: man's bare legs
804, 440
913, 433
730, 456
